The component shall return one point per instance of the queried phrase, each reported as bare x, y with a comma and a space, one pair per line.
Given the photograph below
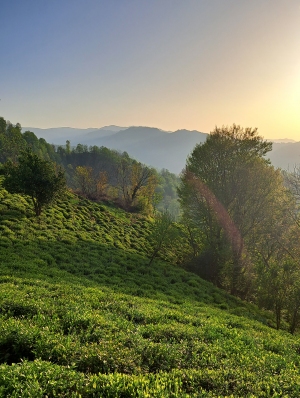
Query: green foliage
75, 340
163, 234
167, 192
232, 194
36, 178
83, 315
11, 140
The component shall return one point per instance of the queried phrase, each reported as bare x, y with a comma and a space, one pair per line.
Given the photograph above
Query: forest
178, 279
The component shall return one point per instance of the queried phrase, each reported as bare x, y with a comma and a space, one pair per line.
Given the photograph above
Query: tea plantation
83, 315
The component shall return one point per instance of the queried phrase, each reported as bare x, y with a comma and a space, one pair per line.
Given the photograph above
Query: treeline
13, 142
98, 173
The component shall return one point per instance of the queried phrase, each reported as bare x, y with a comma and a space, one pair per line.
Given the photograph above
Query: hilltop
82, 314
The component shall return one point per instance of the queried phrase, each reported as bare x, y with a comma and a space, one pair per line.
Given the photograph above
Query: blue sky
173, 64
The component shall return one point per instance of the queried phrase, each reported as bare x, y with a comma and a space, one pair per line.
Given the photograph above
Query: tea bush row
43, 379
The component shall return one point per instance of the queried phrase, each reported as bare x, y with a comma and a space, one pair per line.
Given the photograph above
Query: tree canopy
237, 199
35, 177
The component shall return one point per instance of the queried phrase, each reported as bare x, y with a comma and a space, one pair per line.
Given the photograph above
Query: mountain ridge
156, 147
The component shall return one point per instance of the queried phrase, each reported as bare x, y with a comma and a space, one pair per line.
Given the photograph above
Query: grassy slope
81, 314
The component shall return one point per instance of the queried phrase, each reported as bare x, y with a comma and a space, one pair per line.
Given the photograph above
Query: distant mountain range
155, 147
285, 155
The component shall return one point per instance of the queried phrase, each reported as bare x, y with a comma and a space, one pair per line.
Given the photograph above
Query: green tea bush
16, 341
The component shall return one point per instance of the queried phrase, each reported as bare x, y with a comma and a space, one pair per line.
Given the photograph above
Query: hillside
83, 315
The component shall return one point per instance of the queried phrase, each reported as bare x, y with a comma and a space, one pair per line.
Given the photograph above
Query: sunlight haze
190, 64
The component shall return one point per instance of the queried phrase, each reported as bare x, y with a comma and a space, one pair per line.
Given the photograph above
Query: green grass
83, 315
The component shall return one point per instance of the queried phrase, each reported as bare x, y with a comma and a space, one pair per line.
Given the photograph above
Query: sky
188, 64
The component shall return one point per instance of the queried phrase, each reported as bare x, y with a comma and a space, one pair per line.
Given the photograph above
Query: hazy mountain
59, 135
155, 147
285, 155
282, 140
90, 138
113, 128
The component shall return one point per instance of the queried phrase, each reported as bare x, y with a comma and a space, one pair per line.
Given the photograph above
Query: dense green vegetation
97, 173
95, 300
82, 314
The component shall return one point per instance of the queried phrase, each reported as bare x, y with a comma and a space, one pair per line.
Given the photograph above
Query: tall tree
228, 190
136, 182
91, 184
85, 180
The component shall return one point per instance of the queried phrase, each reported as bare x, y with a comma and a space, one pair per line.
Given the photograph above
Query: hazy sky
170, 64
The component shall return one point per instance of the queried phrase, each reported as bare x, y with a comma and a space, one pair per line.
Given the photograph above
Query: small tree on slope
37, 178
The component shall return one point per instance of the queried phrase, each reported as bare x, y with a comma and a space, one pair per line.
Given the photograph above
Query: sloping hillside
82, 314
